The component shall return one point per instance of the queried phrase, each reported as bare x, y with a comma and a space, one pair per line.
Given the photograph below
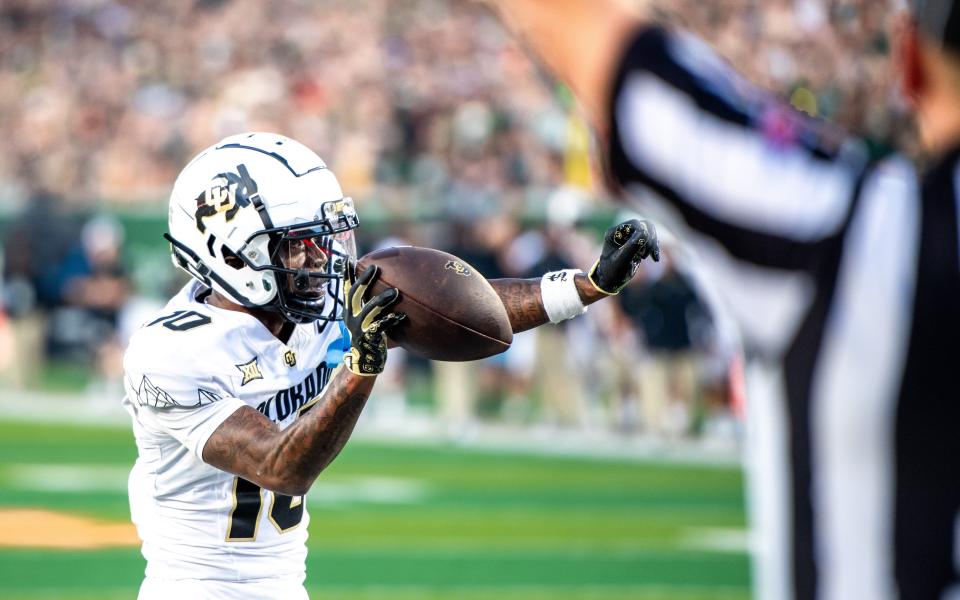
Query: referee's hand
624, 246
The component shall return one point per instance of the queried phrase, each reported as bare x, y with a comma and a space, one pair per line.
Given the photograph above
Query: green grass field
402, 522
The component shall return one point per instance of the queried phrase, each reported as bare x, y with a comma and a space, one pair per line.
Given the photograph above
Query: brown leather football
453, 313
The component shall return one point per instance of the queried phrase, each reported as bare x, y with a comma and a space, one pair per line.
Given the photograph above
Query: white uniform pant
287, 588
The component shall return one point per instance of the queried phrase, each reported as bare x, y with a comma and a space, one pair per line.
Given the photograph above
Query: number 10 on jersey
285, 511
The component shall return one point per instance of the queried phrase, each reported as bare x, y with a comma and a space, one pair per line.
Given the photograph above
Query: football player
251, 379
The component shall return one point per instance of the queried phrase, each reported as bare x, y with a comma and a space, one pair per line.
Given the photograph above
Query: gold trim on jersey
295, 501
256, 526
308, 405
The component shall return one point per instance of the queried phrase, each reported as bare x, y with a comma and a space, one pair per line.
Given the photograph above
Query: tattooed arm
251, 446
521, 298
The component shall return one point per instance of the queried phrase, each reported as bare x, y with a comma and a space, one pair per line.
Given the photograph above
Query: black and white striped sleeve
738, 164
763, 193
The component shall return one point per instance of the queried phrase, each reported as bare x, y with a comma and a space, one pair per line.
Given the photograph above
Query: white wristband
560, 297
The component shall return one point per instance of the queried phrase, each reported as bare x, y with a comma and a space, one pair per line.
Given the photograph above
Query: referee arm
762, 190
679, 120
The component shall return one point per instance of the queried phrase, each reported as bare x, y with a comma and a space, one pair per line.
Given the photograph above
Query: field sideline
401, 522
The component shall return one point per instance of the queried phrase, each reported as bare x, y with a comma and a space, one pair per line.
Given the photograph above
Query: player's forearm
288, 461
521, 298
317, 437
579, 40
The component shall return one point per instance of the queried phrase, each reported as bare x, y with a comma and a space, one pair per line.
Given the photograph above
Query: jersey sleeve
177, 393
731, 162
190, 427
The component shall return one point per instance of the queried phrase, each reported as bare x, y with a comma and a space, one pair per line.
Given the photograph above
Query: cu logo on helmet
227, 193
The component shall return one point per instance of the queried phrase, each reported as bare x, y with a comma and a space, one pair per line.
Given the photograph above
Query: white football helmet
260, 218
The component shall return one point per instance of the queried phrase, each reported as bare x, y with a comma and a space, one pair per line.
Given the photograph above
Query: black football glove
368, 340
624, 246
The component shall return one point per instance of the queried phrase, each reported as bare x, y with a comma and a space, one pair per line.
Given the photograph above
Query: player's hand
624, 246
367, 323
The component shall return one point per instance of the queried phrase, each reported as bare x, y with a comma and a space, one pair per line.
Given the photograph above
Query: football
453, 313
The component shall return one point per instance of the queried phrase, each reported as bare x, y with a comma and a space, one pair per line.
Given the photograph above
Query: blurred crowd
434, 121
104, 100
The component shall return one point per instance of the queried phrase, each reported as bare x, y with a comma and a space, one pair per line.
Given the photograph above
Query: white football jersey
186, 371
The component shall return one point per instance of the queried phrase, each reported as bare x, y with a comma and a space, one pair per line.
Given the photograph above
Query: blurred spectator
666, 310
91, 289
7, 347
551, 364
466, 391
65, 290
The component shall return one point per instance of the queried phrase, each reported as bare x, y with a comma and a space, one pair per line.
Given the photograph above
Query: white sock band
560, 297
